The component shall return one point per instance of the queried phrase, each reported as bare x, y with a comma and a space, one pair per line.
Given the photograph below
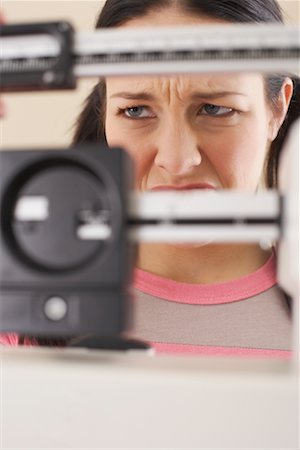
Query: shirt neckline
208, 294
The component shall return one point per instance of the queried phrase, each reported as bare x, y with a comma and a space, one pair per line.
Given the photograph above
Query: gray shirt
262, 321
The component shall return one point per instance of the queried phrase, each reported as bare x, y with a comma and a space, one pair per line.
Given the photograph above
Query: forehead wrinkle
181, 87
172, 88
160, 88
165, 88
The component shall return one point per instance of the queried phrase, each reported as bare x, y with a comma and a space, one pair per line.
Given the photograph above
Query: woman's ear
281, 107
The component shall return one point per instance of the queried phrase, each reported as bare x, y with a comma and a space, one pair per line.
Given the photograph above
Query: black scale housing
47, 259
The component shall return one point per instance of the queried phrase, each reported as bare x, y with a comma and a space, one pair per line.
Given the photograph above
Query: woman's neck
205, 264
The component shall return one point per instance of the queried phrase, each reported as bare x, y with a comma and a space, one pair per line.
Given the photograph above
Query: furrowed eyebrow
194, 96
212, 95
134, 96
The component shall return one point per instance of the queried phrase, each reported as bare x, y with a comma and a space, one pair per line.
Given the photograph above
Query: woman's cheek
244, 165
139, 155
143, 164
231, 155
255, 148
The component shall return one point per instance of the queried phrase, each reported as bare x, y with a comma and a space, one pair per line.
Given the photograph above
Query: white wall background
46, 119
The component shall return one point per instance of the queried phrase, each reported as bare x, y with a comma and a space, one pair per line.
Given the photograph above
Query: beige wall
46, 119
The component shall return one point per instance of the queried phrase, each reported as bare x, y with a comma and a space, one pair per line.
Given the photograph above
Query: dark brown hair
90, 123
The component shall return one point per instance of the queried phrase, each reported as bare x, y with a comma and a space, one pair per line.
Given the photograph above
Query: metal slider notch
28, 63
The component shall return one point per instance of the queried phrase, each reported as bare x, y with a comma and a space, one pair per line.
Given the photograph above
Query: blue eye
214, 110
137, 112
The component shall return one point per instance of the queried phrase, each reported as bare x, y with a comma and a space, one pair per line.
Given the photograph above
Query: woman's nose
177, 149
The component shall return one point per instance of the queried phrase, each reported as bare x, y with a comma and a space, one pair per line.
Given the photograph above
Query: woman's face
187, 131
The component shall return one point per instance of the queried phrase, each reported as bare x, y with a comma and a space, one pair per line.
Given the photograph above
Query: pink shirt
243, 317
